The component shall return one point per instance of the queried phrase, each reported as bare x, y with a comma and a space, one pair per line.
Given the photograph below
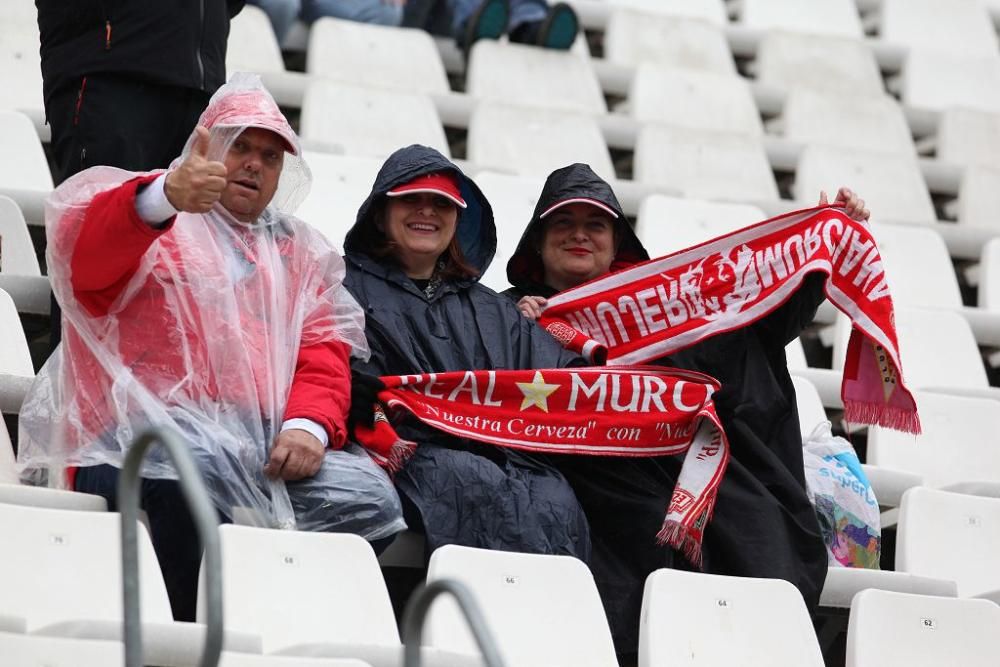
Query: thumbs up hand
198, 182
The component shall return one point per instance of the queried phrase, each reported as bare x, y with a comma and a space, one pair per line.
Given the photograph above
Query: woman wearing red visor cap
764, 525
414, 256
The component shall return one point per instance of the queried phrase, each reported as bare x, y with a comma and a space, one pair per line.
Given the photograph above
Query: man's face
253, 165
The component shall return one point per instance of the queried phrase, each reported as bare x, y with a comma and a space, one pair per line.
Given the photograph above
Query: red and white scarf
664, 305
596, 411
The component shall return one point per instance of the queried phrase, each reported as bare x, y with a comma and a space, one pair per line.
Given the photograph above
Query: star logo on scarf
536, 392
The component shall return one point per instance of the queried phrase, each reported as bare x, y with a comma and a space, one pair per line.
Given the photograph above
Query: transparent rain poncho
204, 339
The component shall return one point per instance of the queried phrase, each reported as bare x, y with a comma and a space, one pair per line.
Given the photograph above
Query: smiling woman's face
420, 225
253, 165
578, 245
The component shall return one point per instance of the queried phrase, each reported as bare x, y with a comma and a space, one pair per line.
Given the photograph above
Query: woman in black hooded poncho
414, 255
763, 525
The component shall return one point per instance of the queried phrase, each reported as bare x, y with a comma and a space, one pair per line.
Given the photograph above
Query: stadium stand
668, 224
790, 61
685, 614
542, 609
526, 76
633, 38
969, 137
893, 186
965, 29
937, 529
704, 164
706, 117
938, 81
403, 59
827, 17
965, 427
693, 99
362, 121
533, 142
871, 123
887, 628
979, 196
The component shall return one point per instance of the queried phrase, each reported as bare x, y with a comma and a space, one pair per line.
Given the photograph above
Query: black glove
364, 395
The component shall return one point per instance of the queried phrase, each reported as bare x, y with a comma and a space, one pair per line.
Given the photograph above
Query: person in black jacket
763, 525
124, 81
414, 256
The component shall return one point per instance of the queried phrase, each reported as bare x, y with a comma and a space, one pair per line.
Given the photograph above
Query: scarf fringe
680, 537
898, 419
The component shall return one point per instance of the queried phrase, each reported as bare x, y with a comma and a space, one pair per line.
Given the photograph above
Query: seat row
316, 595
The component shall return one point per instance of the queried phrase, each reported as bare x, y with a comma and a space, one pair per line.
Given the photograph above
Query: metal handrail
416, 614
206, 522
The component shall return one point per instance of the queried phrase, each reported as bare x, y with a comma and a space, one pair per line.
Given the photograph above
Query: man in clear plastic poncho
194, 300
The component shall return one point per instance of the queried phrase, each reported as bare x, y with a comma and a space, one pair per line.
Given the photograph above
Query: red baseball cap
579, 200
441, 183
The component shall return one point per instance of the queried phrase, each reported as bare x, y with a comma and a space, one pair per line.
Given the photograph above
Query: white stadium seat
989, 277
891, 185
967, 428
15, 360
704, 164
30, 650
533, 142
711, 11
634, 37
689, 618
20, 66
513, 199
17, 253
694, 99
668, 224
824, 63
874, 122
938, 81
374, 55
20, 275
926, 337
951, 535
340, 184
531, 77
25, 167
958, 27
810, 407
331, 581
969, 137
917, 266
888, 628
252, 46
979, 197
363, 121
825, 17
542, 610
333, 584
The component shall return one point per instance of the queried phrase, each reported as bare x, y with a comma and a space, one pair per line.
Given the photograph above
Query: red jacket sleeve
112, 240
321, 389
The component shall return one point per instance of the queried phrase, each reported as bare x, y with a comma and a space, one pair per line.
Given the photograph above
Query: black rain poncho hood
476, 230
576, 181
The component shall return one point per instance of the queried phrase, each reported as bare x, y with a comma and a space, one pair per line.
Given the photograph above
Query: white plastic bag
845, 504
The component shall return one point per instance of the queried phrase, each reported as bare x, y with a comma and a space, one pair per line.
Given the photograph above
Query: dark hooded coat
454, 490
764, 525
